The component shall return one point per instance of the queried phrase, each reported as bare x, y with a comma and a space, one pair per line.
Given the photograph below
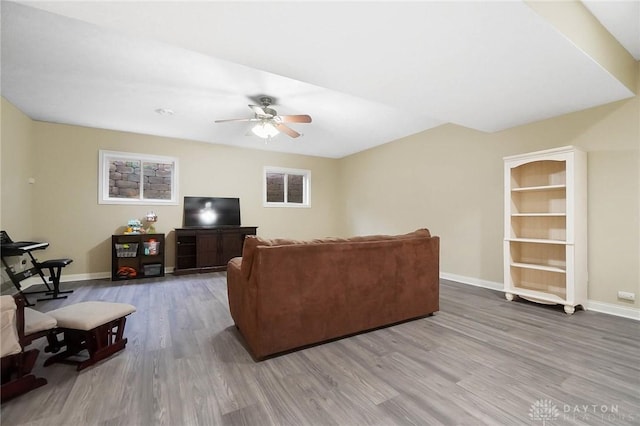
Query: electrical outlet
626, 295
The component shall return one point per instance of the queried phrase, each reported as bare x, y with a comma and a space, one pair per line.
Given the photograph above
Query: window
130, 178
287, 187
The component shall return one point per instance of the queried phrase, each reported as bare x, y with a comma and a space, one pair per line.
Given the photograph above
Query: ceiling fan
268, 122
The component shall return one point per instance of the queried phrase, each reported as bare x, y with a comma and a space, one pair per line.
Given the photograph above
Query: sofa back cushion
252, 242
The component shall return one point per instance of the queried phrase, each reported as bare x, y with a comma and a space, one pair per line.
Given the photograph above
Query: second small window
286, 187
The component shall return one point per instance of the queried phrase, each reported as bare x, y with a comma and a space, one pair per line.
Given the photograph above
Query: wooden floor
480, 360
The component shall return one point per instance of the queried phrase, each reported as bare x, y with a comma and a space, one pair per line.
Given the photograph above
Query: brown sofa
285, 294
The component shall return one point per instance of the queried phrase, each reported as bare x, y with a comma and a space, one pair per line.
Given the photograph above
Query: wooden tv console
209, 249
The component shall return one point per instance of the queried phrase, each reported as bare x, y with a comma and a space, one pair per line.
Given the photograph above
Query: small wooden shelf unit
545, 244
142, 252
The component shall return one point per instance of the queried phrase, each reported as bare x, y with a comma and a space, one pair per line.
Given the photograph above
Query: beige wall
17, 165
450, 180
16, 194
67, 214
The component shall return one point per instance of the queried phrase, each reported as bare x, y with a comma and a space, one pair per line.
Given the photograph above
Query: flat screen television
209, 212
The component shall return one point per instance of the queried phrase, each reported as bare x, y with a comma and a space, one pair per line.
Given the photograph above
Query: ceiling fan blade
302, 118
288, 130
236, 119
258, 109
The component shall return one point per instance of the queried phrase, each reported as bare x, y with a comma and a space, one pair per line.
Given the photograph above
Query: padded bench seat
97, 327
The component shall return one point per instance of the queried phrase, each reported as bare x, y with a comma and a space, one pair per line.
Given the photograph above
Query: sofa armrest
235, 282
242, 299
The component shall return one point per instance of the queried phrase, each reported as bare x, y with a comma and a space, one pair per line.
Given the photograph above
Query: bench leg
101, 342
54, 277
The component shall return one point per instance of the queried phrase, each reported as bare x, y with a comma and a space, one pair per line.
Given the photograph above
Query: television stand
209, 249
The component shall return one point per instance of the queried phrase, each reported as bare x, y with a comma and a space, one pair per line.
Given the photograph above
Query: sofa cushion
251, 242
248, 251
420, 233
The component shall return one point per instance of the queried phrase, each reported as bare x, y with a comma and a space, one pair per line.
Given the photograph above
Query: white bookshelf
545, 244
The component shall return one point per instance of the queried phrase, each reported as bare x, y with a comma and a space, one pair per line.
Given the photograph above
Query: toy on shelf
151, 218
134, 226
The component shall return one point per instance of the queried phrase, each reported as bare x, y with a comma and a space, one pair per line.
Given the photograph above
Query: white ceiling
367, 72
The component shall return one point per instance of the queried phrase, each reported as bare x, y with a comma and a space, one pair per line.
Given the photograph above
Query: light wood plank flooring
480, 360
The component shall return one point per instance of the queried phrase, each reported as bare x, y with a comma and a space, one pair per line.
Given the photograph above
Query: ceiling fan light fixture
268, 122
264, 129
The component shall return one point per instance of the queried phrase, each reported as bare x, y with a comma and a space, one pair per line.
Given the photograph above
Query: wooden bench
97, 327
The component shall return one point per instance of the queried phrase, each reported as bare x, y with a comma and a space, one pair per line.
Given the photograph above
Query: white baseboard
472, 281
65, 278
611, 309
592, 305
